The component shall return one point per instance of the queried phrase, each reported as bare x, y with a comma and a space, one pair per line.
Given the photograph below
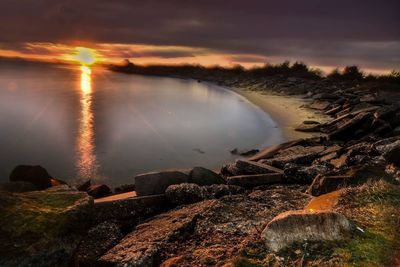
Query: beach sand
287, 111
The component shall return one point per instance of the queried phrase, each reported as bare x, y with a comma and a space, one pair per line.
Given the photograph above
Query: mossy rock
42, 228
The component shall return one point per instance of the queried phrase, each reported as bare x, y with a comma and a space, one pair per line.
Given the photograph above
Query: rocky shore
327, 200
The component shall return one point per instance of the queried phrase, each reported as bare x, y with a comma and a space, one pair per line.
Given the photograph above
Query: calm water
84, 123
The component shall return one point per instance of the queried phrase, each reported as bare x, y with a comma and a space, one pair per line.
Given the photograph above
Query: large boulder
42, 228
98, 191
36, 175
154, 183
203, 176
185, 193
302, 226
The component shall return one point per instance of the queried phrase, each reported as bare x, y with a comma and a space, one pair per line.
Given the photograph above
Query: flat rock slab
252, 167
300, 226
140, 247
297, 154
255, 179
155, 183
115, 197
272, 150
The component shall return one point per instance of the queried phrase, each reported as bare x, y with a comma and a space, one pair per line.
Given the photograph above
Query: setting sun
86, 56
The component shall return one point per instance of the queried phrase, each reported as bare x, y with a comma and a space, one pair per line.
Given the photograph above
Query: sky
321, 33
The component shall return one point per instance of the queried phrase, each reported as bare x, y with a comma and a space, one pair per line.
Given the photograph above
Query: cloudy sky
322, 33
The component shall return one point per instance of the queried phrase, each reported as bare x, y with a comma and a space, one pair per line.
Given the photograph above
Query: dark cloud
322, 32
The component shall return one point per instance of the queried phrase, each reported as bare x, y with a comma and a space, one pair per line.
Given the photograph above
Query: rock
98, 191
308, 127
297, 154
294, 173
325, 96
129, 209
99, 240
185, 194
251, 167
324, 184
220, 190
320, 105
325, 202
303, 226
370, 98
353, 128
329, 156
340, 162
255, 180
42, 228
115, 197
333, 110
124, 188
272, 150
353, 176
57, 182
310, 122
84, 186
250, 152
140, 247
154, 183
203, 176
172, 262
36, 175
17, 187
192, 193
391, 152
229, 170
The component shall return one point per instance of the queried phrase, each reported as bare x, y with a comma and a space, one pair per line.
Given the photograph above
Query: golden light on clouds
83, 55
86, 56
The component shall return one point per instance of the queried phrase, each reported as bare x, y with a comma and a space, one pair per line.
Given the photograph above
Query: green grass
377, 211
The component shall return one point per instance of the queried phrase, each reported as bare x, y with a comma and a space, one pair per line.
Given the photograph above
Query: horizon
325, 35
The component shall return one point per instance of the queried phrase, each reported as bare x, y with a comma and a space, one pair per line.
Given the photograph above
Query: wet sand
287, 111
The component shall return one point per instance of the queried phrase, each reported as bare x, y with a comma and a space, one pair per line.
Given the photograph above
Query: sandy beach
287, 111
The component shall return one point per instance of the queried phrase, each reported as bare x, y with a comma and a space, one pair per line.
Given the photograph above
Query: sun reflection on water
87, 163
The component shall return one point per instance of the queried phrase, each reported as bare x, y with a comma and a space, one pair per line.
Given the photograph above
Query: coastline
287, 111
229, 215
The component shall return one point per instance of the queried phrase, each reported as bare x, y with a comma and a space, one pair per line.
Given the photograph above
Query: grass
376, 210
373, 207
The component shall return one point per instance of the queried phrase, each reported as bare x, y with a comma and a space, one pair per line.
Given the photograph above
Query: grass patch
375, 208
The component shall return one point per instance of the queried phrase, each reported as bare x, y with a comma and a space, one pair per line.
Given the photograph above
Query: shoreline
241, 212
287, 112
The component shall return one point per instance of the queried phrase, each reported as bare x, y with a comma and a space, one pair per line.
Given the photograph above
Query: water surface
82, 123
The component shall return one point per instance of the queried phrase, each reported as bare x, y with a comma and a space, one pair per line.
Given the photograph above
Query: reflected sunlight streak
87, 163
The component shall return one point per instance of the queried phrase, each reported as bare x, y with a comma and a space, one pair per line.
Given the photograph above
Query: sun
86, 56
